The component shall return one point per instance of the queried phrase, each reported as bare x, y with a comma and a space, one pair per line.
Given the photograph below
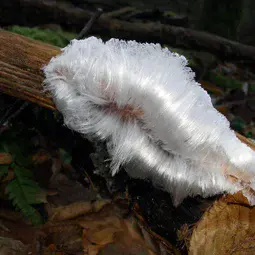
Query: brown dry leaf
13, 216
212, 88
237, 198
17, 231
223, 109
226, 228
10, 246
74, 210
69, 191
106, 232
5, 158
67, 236
245, 140
40, 157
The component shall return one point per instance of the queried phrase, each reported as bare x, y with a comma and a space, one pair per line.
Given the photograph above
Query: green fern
24, 192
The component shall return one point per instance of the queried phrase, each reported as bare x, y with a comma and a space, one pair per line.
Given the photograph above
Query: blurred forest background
47, 172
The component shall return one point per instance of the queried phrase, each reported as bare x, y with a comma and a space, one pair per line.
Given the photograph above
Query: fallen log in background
39, 12
21, 60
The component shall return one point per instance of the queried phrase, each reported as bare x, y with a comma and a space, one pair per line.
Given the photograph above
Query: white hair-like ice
157, 120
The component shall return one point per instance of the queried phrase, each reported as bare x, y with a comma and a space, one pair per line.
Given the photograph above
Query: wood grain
226, 228
21, 63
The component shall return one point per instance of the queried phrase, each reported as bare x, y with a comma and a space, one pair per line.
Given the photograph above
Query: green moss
58, 38
169, 14
224, 82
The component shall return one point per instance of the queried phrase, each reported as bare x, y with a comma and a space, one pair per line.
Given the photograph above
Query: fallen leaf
63, 237
106, 232
10, 246
40, 157
245, 140
74, 210
225, 228
69, 191
104, 236
237, 198
212, 88
18, 231
5, 158
223, 109
13, 216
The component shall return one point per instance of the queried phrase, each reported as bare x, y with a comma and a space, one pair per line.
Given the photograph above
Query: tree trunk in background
222, 17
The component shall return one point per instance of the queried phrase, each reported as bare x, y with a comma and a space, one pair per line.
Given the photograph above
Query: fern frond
24, 193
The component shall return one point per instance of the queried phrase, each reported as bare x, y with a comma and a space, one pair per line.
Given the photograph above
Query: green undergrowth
57, 37
17, 177
226, 82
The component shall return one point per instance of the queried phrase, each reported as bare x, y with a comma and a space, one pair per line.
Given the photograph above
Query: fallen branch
175, 36
74, 18
89, 24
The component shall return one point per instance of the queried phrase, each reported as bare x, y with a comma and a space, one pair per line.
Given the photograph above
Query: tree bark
38, 12
21, 61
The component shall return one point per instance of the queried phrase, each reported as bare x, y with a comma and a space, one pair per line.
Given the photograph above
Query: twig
89, 24
90, 181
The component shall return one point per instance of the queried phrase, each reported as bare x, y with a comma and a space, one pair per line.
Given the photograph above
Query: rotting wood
21, 76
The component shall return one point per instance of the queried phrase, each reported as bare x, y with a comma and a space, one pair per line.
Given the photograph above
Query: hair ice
157, 120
